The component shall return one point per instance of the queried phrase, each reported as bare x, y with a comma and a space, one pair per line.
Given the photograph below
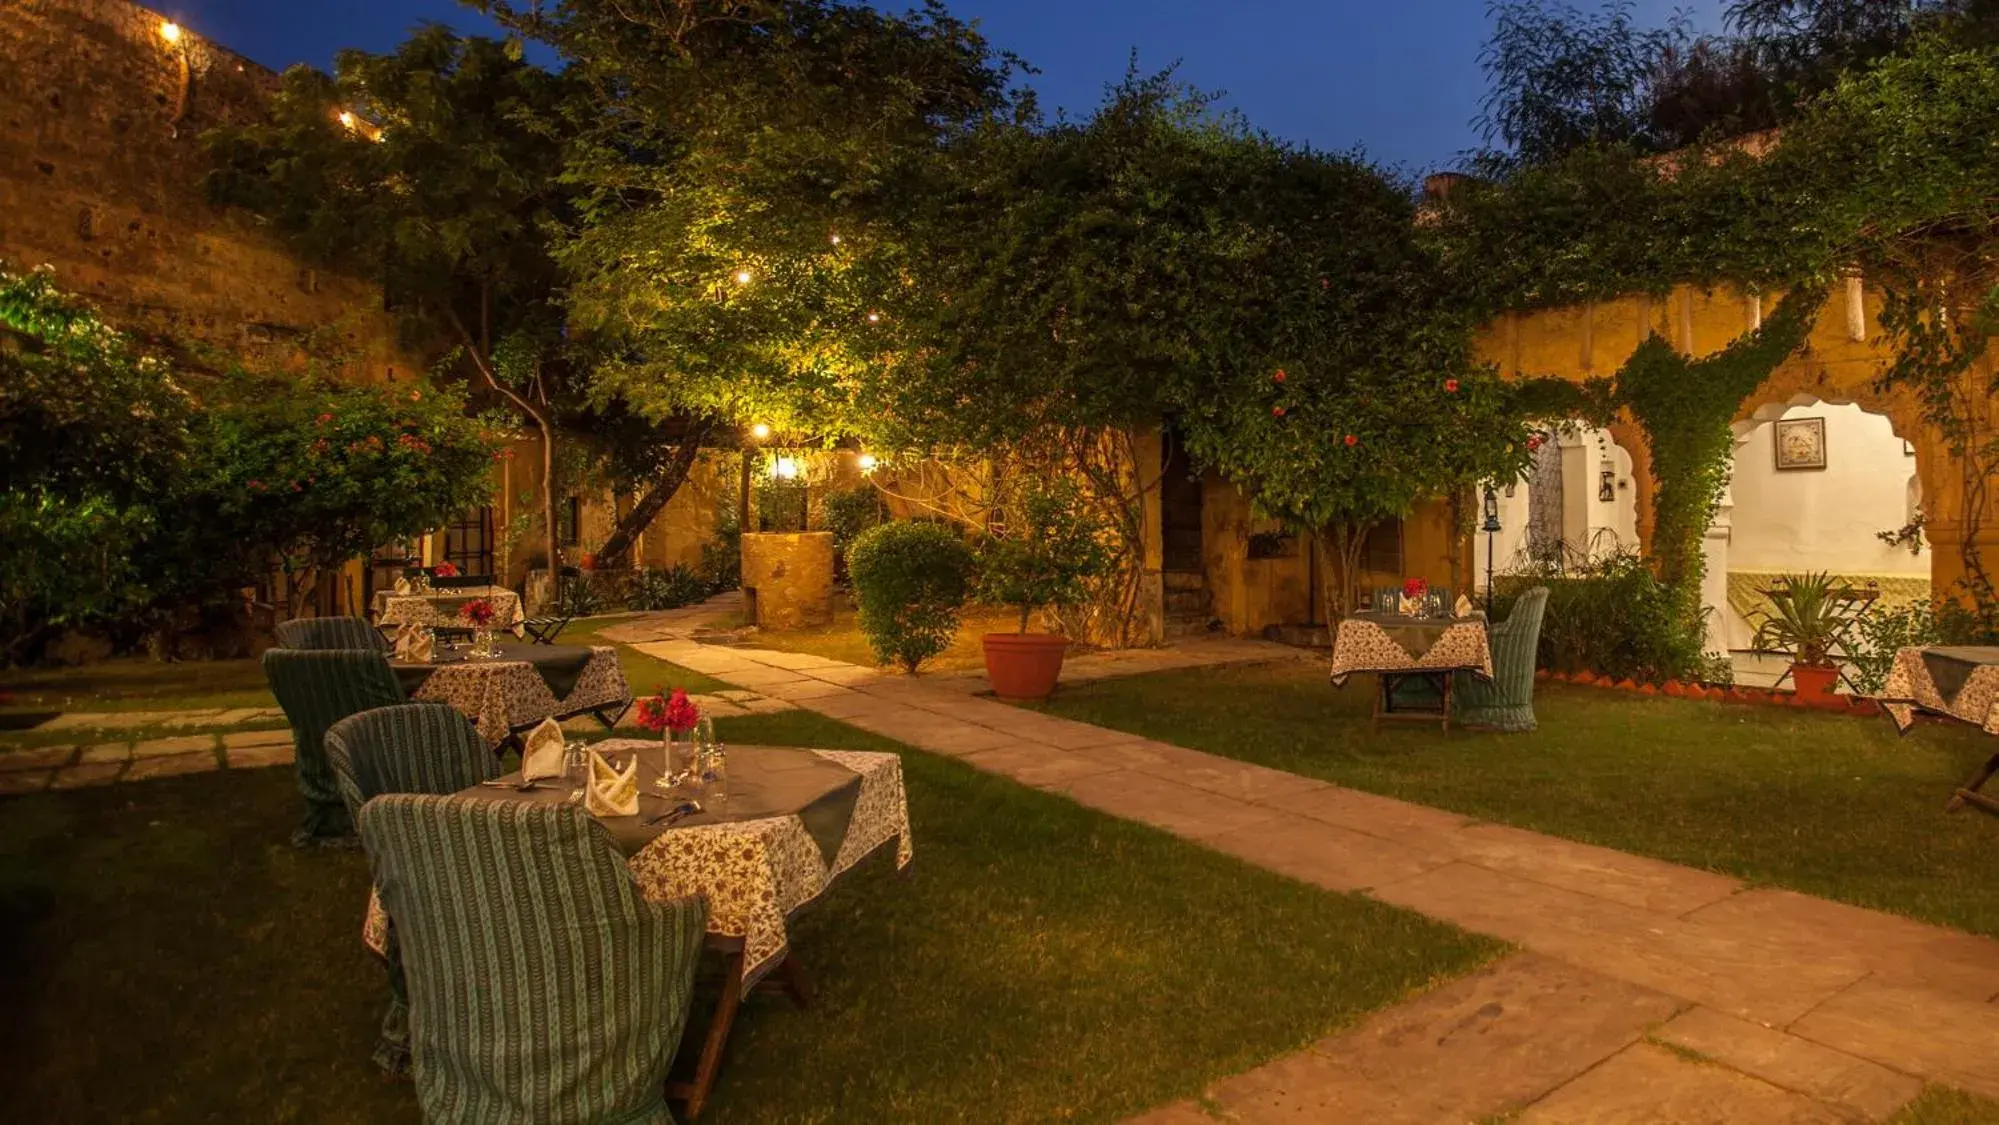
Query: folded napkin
415, 644
402, 585
611, 793
542, 755
1463, 608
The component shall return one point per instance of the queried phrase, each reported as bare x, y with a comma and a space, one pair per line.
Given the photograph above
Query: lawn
843, 640
168, 958
1830, 805
138, 684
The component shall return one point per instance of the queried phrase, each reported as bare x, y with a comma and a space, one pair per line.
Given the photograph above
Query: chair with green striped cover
409, 748
317, 688
543, 986
330, 632
1507, 702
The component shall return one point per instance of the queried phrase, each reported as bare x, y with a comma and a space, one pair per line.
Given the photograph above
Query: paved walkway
1646, 991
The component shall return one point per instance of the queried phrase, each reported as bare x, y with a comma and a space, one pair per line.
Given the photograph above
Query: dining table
761, 849
1959, 682
520, 685
1398, 648
442, 606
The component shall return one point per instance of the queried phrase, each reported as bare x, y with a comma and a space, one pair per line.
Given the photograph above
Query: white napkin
1463, 607
1411, 607
402, 585
417, 645
542, 755
611, 793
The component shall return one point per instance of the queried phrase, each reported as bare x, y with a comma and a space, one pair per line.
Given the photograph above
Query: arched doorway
1818, 485
1577, 502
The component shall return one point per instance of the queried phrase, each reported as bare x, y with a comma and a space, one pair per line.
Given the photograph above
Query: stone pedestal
788, 579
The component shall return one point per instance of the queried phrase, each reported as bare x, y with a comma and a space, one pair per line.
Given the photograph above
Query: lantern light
874, 318
836, 240
784, 468
170, 31
346, 119
868, 462
743, 277
760, 431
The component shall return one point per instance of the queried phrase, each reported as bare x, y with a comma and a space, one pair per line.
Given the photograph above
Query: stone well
788, 579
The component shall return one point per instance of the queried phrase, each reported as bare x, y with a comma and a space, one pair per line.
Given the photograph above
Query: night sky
1398, 78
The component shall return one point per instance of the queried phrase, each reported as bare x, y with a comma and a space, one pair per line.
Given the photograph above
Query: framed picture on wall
1800, 443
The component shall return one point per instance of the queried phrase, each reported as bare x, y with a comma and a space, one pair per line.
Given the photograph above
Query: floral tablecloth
1382, 642
1959, 681
502, 696
440, 607
755, 873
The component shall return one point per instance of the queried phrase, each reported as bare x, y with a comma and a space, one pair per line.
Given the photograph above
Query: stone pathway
1647, 991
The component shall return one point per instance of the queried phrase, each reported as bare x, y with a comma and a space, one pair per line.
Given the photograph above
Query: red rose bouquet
673, 712
444, 570
478, 613
1415, 588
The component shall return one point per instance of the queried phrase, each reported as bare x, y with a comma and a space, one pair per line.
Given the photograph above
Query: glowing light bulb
760, 431
874, 318
743, 277
836, 240
346, 119
868, 462
170, 31
784, 468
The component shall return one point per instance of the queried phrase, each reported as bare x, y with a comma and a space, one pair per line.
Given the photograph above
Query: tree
436, 171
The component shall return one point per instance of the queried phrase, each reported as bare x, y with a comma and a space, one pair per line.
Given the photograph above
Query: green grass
1829, 805
170, 959
843, 639
1940, 1105
644, 673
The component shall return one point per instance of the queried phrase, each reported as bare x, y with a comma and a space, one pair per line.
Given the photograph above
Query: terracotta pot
1024, 666
1678, 690
1815, 683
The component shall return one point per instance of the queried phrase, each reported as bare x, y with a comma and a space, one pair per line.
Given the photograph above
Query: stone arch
1555, 515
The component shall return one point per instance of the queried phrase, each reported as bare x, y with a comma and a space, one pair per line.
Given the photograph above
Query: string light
743, 277
868, 462
874, 318
760, 431
170, 31
836, 240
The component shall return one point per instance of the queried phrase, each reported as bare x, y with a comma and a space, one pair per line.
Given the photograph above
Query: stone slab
758, 676
809, 689
106, 752
768, 706
1410, 825
1177, 1113
35, 758
1921, 1031
778, 658
1648, 1085
1179, 809
1870, 1091
16, 782
166, 747
1731, 969
248, 739
1893, 948
1476, 1047
1228, 777
847, 674
258, 757
1326, 856
1648, 884
1032, 764
171, 765
86, 774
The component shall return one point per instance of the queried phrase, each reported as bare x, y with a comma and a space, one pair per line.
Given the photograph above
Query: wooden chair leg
695, 1093
791, 977
1446, 680
1968, 793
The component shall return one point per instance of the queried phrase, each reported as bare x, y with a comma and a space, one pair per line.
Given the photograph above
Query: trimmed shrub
1613, 617
910, 580
668, 587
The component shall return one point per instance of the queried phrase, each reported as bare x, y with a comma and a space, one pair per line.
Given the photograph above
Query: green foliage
1805, 619
852, 511
1052, 545
1613, 617
667, 587
1880, 633
910, 580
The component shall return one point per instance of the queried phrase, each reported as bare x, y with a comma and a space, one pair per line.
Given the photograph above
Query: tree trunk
477, 349
1344, 544
671, 477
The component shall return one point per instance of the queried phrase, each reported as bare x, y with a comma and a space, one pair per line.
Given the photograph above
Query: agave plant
1806, 619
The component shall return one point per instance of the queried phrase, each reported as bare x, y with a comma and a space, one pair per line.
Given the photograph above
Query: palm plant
1806, 619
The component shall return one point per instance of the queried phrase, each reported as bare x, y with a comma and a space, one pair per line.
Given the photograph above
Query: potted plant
1805, 620
1045, 557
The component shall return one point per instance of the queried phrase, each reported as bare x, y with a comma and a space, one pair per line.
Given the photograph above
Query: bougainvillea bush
130, 492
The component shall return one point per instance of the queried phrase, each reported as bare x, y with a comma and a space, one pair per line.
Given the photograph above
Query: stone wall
101, 178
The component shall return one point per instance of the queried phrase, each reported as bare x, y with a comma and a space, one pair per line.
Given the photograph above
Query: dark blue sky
1396, 77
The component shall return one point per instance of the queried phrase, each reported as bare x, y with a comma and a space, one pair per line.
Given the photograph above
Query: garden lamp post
759, 433
1491, 529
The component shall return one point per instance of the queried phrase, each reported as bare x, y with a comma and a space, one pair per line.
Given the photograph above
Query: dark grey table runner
559, 666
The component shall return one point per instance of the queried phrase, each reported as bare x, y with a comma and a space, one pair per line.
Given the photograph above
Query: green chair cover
409, 748
330, 632
543, 987
318, 688
1507, 702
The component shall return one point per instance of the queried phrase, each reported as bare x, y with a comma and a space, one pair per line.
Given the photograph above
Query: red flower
445, 570
681, 713
1352, 440
1279, 377
1277, 412
1451, 385
1325, 283
478, 611
1415, 588
587, 562
323, 419
297, 487
415, 395
256, 486
1534, 443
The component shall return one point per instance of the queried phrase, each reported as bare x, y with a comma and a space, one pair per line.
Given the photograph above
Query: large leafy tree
435, 170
